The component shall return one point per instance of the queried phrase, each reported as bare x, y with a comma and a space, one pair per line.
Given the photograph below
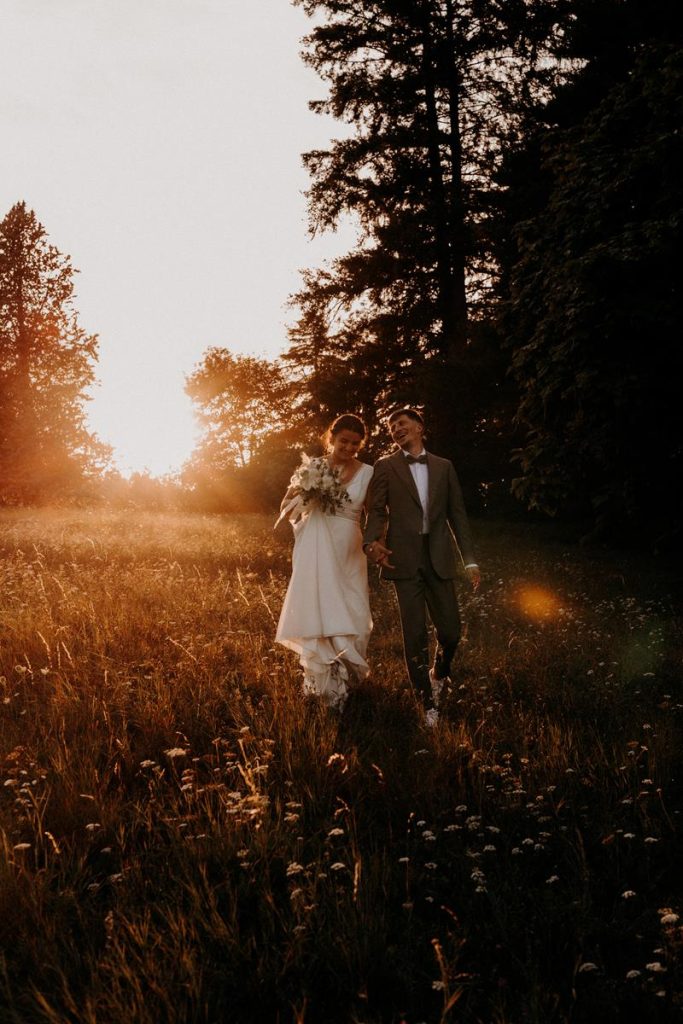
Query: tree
595, 311
432, 91
244, 406
46, 366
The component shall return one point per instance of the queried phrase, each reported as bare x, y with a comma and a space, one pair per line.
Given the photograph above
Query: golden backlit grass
186, 839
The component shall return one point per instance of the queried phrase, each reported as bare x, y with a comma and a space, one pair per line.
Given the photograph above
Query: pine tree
46, 366
432, 91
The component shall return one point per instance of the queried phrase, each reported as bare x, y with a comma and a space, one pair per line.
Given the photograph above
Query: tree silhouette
46, 365
432, 91
596, 307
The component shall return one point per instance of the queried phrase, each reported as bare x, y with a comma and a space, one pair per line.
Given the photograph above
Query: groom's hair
411, 413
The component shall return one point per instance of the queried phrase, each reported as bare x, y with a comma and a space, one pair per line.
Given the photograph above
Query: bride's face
345, 446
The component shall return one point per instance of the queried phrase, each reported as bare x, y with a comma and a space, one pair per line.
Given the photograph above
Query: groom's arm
459, 523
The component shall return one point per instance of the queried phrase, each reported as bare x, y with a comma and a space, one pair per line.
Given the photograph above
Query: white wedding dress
325, 617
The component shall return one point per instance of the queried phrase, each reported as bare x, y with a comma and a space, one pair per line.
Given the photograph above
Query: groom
415, 507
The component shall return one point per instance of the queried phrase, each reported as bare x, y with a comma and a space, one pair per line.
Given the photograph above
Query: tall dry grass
186, 839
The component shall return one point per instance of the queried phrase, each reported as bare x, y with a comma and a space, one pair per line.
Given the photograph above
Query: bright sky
159, 143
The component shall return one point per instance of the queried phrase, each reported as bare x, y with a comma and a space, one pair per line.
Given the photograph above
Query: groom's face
406, 432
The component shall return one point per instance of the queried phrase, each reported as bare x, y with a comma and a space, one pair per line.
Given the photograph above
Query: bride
325, 617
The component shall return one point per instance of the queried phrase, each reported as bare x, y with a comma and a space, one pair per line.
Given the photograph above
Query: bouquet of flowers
314, 483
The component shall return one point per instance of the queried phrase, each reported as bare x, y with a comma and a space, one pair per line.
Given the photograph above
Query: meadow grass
186, 839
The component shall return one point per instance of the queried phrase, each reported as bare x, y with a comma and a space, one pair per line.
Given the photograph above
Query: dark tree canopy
596, 308
46, 366
431, 91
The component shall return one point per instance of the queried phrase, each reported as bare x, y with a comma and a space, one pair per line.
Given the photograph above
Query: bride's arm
365, 511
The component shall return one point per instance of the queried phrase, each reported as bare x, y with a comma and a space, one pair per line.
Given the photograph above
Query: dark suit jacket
394, 509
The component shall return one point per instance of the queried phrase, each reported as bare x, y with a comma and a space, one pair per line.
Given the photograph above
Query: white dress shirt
420, 474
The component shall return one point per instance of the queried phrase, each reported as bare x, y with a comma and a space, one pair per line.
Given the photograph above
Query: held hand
378, 554
474, 576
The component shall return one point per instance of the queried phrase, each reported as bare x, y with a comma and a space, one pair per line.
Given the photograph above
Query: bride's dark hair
347, 421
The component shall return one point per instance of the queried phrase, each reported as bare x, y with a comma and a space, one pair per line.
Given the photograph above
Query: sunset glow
151, 428
183, 236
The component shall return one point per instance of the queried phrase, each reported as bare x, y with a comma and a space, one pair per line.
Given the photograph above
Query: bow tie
412, 459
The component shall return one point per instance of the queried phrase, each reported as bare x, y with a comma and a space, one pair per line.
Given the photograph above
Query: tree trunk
457, 204
439, 202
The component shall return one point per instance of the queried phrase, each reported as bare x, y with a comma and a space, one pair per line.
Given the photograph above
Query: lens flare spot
537, 602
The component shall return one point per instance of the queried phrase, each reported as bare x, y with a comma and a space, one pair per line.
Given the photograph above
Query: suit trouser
422, 592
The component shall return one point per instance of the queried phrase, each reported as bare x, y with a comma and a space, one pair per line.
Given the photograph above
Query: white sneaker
431, 718
437, 685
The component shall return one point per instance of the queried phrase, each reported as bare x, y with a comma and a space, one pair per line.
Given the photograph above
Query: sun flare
154, 431
537, 602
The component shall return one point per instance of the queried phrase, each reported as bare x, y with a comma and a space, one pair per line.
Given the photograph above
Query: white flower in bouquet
318, 484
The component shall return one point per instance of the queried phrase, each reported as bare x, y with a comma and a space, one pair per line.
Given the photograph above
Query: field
186, 840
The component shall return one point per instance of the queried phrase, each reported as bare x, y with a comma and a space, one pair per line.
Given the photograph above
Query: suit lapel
400, 464
432, 466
